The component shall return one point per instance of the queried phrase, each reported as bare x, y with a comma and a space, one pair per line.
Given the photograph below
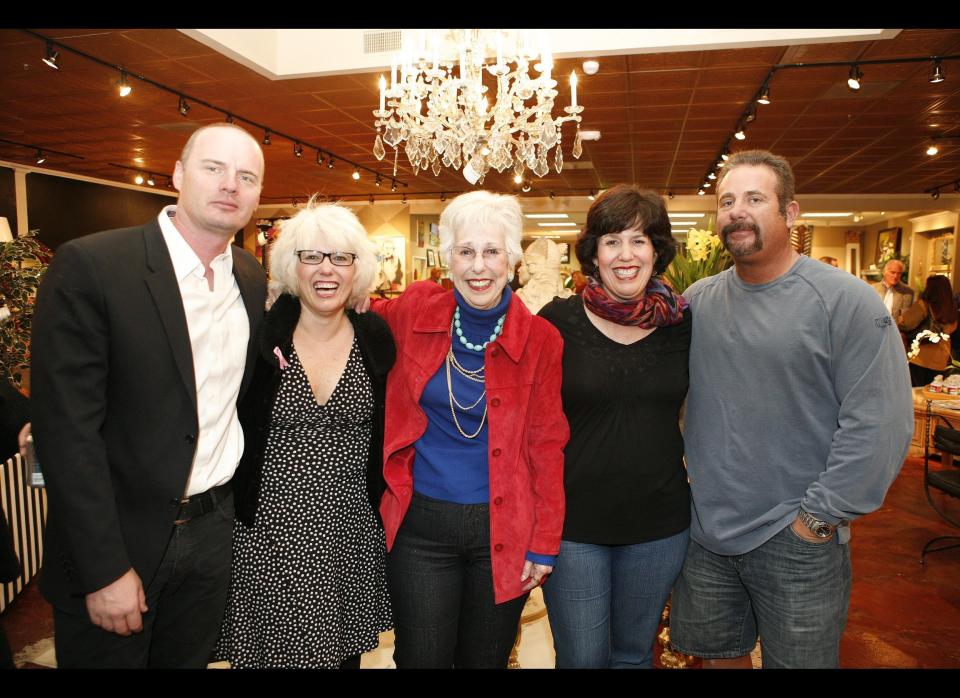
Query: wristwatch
821, 529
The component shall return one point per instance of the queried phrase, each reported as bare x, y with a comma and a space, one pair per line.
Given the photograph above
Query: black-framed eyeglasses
337, 259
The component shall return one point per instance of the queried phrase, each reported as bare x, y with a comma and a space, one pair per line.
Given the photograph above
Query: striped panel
26, 510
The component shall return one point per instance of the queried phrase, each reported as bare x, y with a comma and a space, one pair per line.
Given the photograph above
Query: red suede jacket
526, 425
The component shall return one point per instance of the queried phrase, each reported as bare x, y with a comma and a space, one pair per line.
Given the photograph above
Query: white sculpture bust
539, 275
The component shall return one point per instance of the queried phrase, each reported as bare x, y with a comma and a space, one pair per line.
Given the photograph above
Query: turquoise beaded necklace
469, 345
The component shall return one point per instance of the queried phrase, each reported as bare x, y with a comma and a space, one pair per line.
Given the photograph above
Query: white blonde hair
483, 209
328, 228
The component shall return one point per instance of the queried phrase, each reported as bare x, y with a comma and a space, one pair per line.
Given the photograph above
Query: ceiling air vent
380, 41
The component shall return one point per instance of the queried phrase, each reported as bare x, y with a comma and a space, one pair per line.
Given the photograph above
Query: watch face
821, 530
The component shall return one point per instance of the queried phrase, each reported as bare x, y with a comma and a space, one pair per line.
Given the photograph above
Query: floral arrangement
932, 338
22, 264
704, 256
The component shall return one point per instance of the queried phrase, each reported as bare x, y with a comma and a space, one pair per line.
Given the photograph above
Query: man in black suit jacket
143, 341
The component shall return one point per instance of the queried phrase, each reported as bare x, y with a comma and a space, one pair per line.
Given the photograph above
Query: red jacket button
496, 451
495, 402
498, 500
498, 547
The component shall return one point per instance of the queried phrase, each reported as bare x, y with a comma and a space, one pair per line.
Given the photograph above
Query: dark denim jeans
793, 593
441, 588
186, 599
604, 601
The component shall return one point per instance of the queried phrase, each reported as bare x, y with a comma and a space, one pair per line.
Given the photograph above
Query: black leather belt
200, 504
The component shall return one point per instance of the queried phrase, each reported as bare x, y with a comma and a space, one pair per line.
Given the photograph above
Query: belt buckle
184, 501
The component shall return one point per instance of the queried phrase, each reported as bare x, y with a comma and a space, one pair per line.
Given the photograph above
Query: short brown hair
786, 184
620, 208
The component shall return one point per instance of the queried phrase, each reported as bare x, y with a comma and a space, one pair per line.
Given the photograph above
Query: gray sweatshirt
799, 397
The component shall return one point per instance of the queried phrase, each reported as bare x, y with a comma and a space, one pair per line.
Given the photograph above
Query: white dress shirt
219, 333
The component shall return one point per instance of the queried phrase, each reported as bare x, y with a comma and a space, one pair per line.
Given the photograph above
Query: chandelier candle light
446, 119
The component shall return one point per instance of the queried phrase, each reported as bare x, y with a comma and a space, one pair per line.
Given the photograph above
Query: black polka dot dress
308, 585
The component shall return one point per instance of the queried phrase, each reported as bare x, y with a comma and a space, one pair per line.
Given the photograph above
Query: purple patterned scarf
659, 306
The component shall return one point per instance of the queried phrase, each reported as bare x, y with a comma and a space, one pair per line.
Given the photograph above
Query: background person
308, 585
474, 447
936, 311
626, 343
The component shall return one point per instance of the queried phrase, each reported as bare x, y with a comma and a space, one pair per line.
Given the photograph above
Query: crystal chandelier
445, 117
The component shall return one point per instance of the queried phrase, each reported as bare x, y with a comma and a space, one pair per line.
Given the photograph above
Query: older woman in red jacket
473, 449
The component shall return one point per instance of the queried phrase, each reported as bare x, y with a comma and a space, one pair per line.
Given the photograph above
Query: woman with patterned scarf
626, 340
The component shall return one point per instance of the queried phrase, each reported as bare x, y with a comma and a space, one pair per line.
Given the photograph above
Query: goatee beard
745, 247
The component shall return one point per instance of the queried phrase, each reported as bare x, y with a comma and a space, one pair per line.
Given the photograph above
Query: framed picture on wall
434, 235
888, 243
421, 234
431, 259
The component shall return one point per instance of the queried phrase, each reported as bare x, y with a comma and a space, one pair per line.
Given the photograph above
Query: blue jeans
604, 601
791, 592
441, 589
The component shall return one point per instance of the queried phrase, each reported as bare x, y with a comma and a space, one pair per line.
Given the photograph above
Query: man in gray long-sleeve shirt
798, 419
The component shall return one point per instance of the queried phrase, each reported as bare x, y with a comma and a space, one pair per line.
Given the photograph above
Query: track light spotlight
764, 97
319, 158
706, 185
935, 193
123, 87
230, 119
151, 181
266, 138
725, 155
182, 106
138, 179
670, 195
932, 149
443, 196
936, 75
956, 186
297, 150
741, 134
51, 56
330, 163
700, 192
377, 182
854, 78
712, 175
751, 115
356, 174
393, 185
552, 195
371, 199
403, 198
40, 157
593, 196
525, 186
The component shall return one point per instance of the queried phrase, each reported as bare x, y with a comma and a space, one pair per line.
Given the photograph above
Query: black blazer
378, 351
14, 413
114, 404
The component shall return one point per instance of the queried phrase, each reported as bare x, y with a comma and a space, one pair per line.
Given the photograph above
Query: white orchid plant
932, 338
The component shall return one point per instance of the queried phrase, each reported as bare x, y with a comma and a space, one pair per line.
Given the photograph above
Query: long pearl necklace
477, 375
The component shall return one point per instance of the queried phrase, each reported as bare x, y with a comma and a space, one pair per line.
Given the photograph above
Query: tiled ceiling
664, 117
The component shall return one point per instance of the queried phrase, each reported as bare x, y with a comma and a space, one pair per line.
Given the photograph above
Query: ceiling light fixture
518, 179
935, 193
51, 56
712, 175
297, 150
150, 180
266, 138
446, 119
123, 87
932, 149
591, 66
546, 215
330, 163
182, 106
764, 97
403, 198
40, 157
356, 174
443, 196
725, 155
592, 195
854, 78
740, 135
230, 119
526, 186
393, 185
936, 75
670, 195
751, 115
378, 182
700, 192
319, 157
138, 179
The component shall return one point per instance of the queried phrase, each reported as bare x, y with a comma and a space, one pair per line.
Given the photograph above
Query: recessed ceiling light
827, 215
591, 66
686, 215
546, 215
556, 225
